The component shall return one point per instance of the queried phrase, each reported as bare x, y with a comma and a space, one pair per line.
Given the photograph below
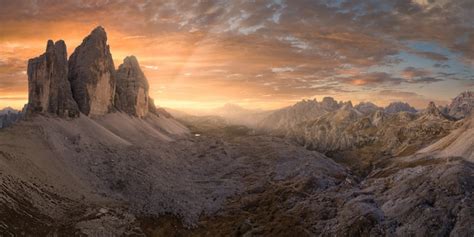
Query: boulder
49, 90
92, 74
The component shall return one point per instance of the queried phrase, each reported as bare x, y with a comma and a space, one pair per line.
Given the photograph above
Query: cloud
413, 98
371, 79
282, 69
410, 73
268, 38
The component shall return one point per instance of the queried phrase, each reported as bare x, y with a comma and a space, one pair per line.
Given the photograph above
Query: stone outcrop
48, 86
92, 74
131, 95
462, 106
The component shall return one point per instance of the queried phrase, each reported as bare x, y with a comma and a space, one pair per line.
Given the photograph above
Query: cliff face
48, 86
92, 74
131, 95
88, 83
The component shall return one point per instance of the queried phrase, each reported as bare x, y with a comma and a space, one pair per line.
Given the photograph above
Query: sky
258, 53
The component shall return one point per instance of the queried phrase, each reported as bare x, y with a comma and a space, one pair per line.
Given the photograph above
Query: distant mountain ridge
9, 116
330, 126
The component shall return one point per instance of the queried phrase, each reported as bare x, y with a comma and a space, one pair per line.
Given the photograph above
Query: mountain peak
396, 107
92, 74
433, 110
99, 31
49, 90
131, 92
131, 60
462, 106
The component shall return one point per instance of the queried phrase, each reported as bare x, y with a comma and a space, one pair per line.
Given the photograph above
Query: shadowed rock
131, 95
48, 87
92, 74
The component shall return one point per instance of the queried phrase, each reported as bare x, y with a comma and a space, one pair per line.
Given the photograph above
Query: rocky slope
96, 176
305, 110
92, 74
457, 144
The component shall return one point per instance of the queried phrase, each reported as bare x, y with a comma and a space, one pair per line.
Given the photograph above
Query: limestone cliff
49, 90
92, 74
131, 95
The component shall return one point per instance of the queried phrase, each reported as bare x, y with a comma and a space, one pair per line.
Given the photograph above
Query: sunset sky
258, 53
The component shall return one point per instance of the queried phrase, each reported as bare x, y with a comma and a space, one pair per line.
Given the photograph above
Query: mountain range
93, 156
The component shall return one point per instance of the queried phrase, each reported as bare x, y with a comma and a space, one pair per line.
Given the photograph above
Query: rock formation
433, 110
48, 87
92, 74
331, 126
366, 107
131, 94
396, 107
462, 105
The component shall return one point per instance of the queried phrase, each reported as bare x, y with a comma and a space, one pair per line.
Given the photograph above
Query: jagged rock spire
131, 94
92, 74
49, 90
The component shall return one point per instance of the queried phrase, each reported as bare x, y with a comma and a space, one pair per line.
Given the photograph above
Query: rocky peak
366, 107
432, 110
92, 74
329, 103
49, 90
378, 118
131, 95
462, 105
396, 107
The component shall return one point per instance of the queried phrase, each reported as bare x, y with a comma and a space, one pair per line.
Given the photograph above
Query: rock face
131, 94
462, 105
48, 87
92, 74
396, 107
